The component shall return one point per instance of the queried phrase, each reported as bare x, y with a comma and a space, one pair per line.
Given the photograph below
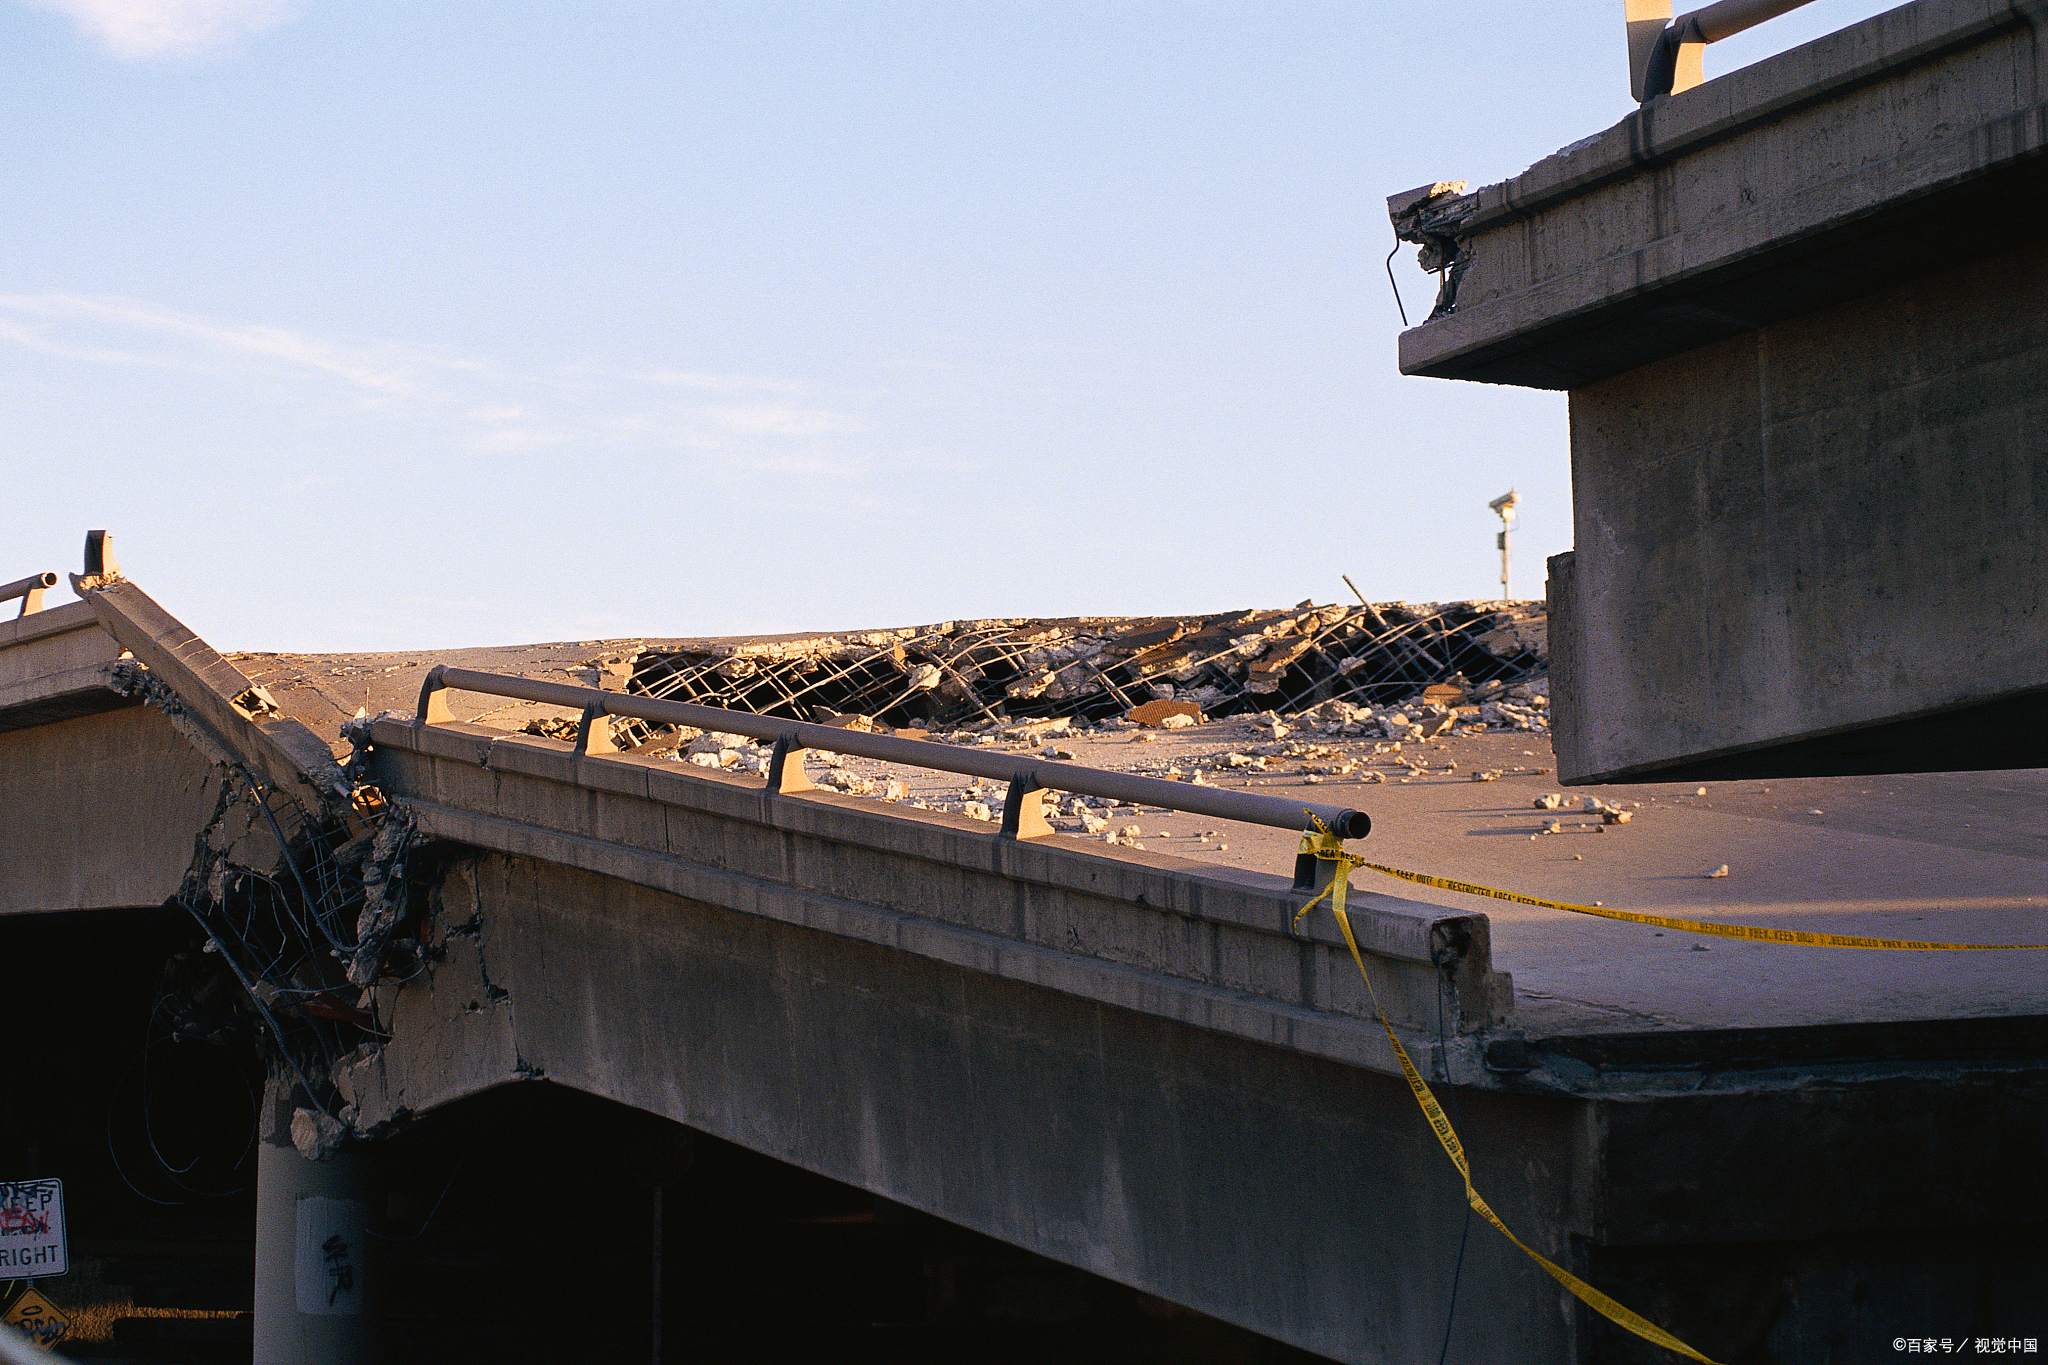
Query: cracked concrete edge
288, 753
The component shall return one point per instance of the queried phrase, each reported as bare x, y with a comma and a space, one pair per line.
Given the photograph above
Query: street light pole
1505, 506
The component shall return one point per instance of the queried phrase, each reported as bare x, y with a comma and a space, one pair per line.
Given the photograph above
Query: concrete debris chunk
1549, 801
848, 781
1720, 871
1002, 672
1032, 732
1158, 713
316, 1135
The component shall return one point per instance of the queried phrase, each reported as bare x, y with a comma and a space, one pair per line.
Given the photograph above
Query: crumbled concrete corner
1432, 216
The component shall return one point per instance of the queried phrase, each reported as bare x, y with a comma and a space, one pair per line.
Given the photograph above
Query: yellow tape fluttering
1329, 848
1693, 926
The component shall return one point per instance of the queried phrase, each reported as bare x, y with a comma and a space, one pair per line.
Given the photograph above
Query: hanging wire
1457, 1121
421, 1231
1395, 284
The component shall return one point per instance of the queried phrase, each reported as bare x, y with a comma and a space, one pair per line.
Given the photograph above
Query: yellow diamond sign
38, 1317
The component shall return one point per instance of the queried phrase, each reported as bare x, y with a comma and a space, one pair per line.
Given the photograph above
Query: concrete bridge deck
1129, 1060
1951, 856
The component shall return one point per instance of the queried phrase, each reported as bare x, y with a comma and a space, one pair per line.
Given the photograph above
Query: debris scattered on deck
1403, 670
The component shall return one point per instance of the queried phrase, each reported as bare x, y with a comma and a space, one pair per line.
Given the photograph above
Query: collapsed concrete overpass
1120, 1061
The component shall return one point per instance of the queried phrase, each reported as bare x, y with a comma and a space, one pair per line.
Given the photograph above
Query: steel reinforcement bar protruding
1022, 773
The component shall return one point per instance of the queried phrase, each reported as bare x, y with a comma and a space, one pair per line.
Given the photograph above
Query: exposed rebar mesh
964, 672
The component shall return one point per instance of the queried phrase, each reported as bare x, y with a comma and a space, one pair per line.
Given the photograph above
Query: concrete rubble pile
960, 674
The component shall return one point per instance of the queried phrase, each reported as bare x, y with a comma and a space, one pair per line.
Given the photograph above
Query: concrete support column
314, 1296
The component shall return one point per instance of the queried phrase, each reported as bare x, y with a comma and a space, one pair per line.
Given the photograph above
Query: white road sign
32, 1230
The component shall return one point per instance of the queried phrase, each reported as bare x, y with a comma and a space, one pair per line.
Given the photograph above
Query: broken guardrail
1023, 816
29, 590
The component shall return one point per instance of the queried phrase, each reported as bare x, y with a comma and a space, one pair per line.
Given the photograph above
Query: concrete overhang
53, 666
1888, 150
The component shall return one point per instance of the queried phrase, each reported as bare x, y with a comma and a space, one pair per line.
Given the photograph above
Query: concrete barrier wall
1147, 931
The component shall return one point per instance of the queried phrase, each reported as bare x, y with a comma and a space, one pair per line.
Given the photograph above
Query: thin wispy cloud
32, 339
720, 383
768, 420
377, 367
143, 30
467, 404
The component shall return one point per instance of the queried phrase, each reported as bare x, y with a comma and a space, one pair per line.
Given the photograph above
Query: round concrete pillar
314, 1292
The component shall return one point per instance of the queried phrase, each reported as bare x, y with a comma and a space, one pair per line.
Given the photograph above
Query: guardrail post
1312, 874
29, 590
786, 768
1646, 22
594, 731
433, 701
1024, 808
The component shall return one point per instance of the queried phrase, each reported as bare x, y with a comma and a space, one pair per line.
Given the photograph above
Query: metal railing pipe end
30, 590
1352, 824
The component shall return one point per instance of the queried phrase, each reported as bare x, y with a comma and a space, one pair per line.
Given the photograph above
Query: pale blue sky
377, 325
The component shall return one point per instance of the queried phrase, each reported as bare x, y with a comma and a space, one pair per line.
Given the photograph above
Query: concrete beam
1298, 1196
53, 666
217, 695
1816, 176
1798, 310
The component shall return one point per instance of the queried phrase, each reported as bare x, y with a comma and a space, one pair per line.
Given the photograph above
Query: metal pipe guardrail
29, 590
1665, 59
1022, 818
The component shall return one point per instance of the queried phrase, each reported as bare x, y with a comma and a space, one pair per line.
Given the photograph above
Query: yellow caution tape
1693, 926
1329, 848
